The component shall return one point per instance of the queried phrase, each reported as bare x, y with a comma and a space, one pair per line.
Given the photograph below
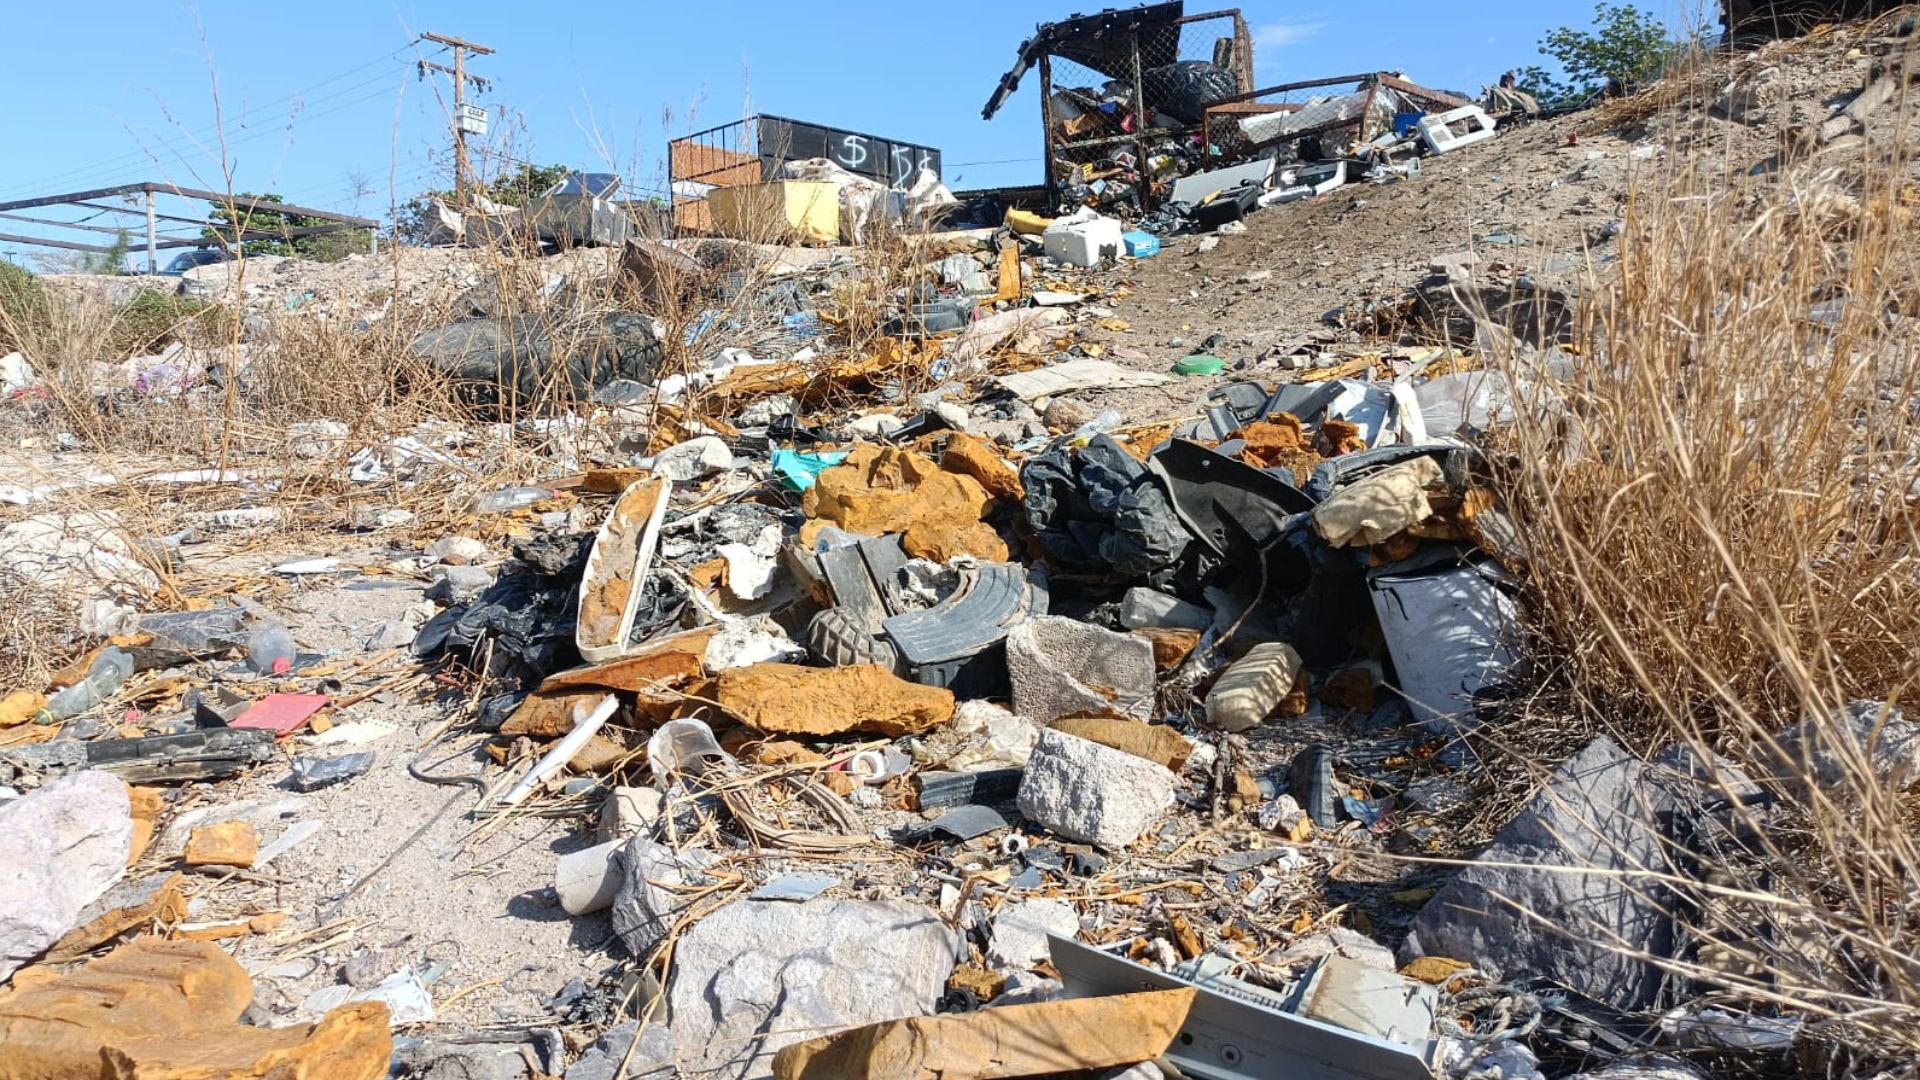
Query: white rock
754, 977
456, 550
1020, 932
60, 848
693, 460
1084, 791
587, 880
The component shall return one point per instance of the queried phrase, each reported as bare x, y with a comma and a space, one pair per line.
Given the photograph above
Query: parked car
188, 260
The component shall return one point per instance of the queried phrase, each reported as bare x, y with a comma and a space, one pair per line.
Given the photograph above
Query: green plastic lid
1201, 364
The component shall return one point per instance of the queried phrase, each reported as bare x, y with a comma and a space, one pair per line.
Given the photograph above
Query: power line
135, 157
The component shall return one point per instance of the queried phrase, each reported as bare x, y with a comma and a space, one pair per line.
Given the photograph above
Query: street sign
473, 119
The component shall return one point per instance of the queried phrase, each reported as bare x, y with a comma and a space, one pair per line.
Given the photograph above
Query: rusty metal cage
1123, 96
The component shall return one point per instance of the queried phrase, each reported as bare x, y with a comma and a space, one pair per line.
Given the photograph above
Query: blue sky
320, 102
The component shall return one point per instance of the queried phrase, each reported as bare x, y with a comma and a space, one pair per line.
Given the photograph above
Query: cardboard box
804, 210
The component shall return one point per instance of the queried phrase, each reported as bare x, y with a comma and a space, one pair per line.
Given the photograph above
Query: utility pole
462, 169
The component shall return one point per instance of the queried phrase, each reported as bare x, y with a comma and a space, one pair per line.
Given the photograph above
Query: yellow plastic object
1027, 223
806, 210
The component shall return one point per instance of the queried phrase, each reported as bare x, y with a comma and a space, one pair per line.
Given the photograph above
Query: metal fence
753, 151
1123, 108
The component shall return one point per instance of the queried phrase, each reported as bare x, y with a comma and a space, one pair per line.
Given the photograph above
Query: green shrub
153, 318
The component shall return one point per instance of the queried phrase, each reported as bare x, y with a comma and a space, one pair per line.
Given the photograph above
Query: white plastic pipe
562, 751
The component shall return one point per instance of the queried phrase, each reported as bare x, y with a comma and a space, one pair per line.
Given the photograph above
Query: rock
1231, 228
1454, 265
119, 909
1520, 910
587, 880
652, 1060
629, 811
229, 843
882, 490
1157, 743
1020, 931
1084, 791
753, 977
956, 416
695, 459
170, 1010
787, 699
1142, 608
1206, 244
61, 848
460, 584
941, 540
969, 456
877, 425
1859, 731
456, 550
1255, 277
1061, 667
1066, 414
646, 905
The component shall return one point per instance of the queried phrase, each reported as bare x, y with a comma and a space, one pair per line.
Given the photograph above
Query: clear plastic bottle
513, 498
1105, 422
110, 669
270, 649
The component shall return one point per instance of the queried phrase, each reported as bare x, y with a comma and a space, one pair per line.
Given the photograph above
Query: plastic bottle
110, 669
513, 498
270, 649
1105, 422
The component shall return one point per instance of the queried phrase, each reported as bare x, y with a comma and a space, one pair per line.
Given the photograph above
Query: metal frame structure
1249, 104
155, 244
1116, 33
736, 154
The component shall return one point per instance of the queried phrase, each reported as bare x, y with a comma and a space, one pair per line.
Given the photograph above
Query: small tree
1625, 44
414, 222
232, 219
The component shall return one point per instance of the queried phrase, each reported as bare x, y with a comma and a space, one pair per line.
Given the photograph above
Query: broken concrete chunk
647, 903
61, 847
754, 977
171, 1011
229, 843
1060, 667
1020, 931
1051, 1038
695, 459
629, 811
791, 700
1084, 791
1382, 506
1249, 691
1565, 884
1142, 608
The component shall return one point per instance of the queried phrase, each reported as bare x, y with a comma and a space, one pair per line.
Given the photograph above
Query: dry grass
1720, 537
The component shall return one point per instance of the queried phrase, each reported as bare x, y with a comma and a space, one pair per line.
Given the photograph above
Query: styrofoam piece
1192, 189
1084, 239
1438, 131
1248, 692
643, 506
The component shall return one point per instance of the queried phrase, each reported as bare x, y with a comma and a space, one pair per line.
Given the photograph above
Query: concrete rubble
988, 652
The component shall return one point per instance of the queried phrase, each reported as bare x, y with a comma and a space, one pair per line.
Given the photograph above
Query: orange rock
940, 539
124, 907
785, 752
229, 843
145, 804
1051, 1038
1170, 644
667, 661
1349, 689
161, 1010
597, 756
787, 699
1279, 442
19, 707
971, 457
983, 983
882, 490
549, 715
1154, 742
